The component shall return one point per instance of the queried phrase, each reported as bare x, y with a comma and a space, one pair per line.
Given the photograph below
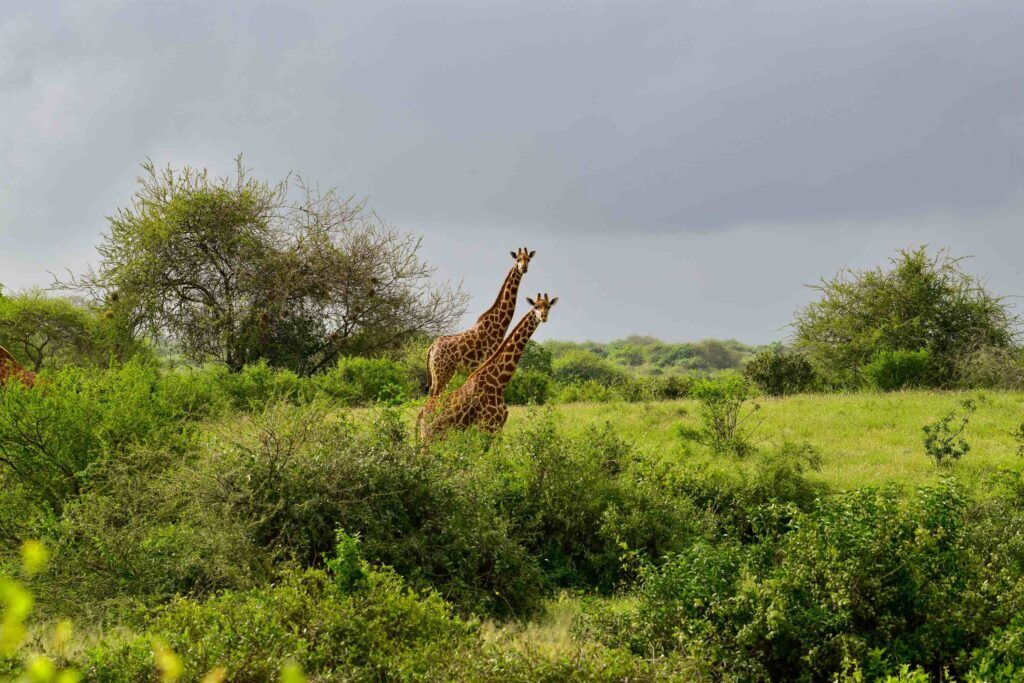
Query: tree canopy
923, 302
237, 270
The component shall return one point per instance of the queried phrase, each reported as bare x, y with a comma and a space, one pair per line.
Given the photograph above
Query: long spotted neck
497, 318
499, 368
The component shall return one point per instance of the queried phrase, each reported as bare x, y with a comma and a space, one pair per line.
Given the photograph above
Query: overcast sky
683, 169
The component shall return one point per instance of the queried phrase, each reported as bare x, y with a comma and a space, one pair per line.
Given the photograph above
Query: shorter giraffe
10, 369
481, 400
466, 350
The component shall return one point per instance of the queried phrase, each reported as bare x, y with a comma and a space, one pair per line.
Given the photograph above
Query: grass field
865, 439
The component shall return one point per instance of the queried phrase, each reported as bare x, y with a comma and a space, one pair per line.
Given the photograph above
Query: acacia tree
923, 302
40, 329
237, 269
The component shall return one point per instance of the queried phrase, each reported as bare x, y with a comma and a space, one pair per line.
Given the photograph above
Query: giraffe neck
499, 315
499, 368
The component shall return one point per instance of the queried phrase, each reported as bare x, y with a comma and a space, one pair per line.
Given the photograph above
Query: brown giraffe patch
481, 400
10, 369
469, 348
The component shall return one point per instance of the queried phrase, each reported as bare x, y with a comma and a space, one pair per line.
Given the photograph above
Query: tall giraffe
10, 369
467, 349
481, 399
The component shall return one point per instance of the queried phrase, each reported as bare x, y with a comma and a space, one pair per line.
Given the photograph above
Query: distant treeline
646, 355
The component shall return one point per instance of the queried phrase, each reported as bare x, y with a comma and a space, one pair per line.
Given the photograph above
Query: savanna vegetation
216, 475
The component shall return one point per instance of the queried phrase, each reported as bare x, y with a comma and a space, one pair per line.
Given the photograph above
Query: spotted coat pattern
468, 349
481, 399
10, 369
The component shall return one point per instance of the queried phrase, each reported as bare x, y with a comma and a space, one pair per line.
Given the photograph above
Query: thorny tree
236, 269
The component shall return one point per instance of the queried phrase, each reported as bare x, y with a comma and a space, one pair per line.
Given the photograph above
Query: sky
683, 169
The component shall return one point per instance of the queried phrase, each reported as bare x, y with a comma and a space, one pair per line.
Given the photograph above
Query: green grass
865, 439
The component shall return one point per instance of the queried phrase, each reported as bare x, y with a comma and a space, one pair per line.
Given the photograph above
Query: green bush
590, 391
899, 369
923, 301
864, 580
359, 381
579, 366
374, 629
269, 490
257, 385
944, 439
780, 372
527, 387
538, 473
1001, 659
54, 436
991, 368
726, 414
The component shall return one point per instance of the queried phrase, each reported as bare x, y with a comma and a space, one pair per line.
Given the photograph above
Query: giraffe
480, 401
467, 349
10, 369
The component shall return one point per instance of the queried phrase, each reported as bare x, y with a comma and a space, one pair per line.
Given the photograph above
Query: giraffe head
522, 257
542, 305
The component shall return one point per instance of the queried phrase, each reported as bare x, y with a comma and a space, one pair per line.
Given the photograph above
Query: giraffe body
480, 400
469, 348
10, 370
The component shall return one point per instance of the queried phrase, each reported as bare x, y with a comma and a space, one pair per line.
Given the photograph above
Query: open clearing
865, 439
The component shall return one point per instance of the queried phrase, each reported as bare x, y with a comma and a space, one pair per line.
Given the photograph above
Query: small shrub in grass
727, 414
944, 440
899, 369
780, 372
674, 387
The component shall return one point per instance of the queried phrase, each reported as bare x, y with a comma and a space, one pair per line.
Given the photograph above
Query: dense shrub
257, 385
924, 301
780, 371
991, 368
528, 387
590, 391
358, 381
898, 369
374, 628
270, 490
864, 579
578, 366
53, 436
579, 540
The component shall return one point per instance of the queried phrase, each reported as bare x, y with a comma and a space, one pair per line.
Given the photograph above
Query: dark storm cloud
619, 135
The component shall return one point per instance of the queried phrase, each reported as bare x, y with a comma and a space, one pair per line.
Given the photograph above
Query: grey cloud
619, 134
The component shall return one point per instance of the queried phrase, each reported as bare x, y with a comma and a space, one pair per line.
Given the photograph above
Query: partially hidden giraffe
466, 350
481, 399
10, 369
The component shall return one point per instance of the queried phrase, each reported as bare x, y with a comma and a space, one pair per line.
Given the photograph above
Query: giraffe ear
512, 254
530, 301
532, 253
553, 301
